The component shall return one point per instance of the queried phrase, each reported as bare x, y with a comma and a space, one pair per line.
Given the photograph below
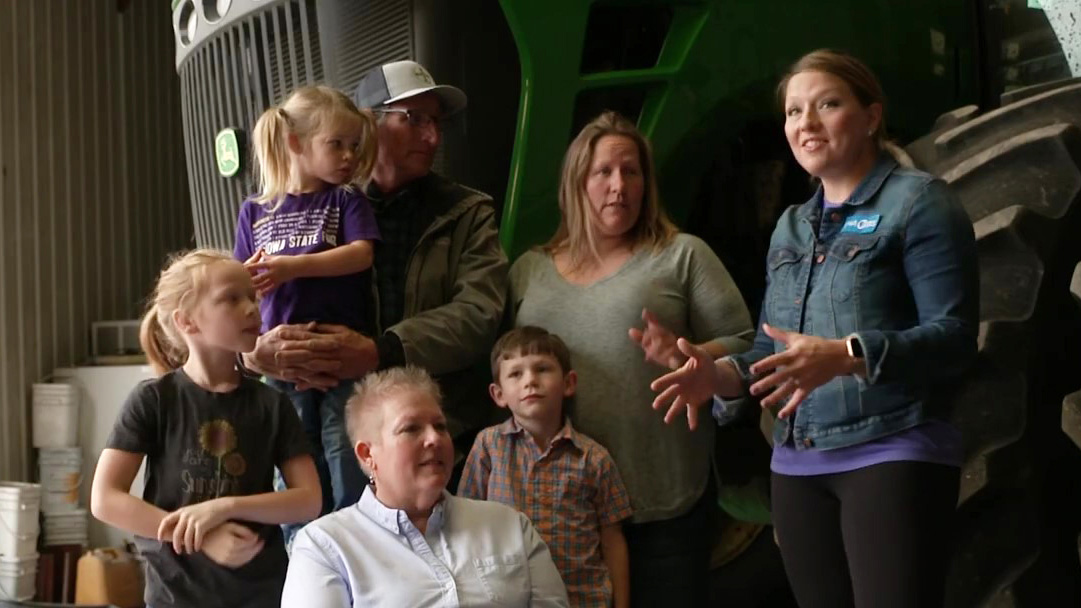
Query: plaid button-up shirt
402, 219
568, 491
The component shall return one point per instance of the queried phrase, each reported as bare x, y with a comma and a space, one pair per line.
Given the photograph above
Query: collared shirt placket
538, 498
422, 546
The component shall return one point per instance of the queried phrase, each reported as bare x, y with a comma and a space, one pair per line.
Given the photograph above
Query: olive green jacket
456, 285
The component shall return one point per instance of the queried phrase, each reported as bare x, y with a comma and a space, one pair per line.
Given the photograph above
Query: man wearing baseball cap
440, 272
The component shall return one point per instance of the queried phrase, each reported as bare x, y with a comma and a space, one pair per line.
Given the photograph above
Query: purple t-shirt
311, 223
933, 441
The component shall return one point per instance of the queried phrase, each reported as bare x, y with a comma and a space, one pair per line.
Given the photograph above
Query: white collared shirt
473, 553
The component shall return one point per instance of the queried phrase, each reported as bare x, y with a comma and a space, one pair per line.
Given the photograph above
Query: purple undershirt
933, 441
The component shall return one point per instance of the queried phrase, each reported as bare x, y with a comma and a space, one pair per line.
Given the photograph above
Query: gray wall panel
93, 185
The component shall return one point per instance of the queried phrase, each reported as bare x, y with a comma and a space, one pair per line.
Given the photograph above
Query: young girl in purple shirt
307, 239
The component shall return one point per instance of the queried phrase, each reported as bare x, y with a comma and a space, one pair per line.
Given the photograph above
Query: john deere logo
227, 151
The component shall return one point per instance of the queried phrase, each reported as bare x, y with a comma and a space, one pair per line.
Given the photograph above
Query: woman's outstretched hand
688, 387
657, 342
807, 363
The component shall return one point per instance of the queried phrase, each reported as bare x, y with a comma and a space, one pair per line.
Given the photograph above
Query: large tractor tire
1071, 425
1017, 171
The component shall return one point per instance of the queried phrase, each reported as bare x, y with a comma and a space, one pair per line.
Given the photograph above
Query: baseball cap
399, 80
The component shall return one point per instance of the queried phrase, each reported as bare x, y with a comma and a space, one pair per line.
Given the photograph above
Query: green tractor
978, 93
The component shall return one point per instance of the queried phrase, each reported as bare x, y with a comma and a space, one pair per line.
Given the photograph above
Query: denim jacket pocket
850, 255
783, 272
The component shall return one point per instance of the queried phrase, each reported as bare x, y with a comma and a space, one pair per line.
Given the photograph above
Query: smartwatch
855, 349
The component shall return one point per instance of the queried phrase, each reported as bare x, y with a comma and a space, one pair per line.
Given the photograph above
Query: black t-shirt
202, 445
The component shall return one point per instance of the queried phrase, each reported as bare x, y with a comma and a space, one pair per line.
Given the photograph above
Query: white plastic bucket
19, 506
55, 415
66, 529
17, 577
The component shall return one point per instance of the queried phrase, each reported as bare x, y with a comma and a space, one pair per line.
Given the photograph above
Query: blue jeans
322, 415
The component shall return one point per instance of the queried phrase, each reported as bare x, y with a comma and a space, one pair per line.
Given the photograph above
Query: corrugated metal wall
93, 186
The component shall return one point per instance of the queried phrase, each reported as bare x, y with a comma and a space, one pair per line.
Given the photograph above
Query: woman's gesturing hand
806, 363
657, 342
688, 387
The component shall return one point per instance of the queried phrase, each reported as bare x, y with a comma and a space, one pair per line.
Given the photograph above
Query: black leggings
877, 536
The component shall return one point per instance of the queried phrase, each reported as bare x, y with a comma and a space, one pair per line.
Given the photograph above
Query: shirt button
808, 442
836, 217
821, 258
798, 301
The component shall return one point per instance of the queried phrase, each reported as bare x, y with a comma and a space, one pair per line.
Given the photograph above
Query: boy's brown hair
529, 340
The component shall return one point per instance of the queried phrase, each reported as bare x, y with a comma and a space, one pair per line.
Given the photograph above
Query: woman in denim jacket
872, 305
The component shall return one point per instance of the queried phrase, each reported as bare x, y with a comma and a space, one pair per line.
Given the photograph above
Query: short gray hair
364, 411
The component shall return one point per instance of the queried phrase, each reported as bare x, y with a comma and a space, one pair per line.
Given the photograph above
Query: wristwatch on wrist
855, 349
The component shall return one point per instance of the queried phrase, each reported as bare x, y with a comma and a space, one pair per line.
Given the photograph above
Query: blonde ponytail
270, 144
163, 354
180, 286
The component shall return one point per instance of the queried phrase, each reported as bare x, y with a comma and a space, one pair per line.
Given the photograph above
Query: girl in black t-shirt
207, 523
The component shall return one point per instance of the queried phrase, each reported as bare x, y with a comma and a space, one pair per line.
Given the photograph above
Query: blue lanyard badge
861, 224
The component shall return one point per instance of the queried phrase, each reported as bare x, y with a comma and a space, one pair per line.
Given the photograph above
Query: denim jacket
896, 267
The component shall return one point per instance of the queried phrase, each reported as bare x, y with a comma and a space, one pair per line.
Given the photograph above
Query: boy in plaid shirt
565, 482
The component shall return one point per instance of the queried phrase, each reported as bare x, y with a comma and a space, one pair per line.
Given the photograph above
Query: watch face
854, 348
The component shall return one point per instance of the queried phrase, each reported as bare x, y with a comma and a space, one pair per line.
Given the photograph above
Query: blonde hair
860, 80
179, 287
304, 113
576, 233
364, 410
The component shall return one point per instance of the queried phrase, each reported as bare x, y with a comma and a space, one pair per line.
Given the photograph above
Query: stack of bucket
60, 463
19, 506
61, 475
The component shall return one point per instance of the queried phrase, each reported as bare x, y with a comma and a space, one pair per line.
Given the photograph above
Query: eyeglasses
416, 119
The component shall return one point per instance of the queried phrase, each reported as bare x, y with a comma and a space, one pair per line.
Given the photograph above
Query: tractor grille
227, 82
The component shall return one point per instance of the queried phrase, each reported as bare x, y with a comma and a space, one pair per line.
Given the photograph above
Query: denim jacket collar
868, 187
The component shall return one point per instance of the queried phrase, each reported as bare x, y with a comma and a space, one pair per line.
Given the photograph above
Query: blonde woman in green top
616, 260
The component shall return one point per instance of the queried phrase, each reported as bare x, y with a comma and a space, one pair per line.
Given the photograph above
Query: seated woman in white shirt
408, 542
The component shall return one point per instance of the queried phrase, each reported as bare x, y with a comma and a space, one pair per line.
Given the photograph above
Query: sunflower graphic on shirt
218, 438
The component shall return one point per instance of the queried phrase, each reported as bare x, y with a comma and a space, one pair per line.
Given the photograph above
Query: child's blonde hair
306, 111
179, 287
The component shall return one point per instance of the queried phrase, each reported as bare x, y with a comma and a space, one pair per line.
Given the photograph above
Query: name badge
861, 224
